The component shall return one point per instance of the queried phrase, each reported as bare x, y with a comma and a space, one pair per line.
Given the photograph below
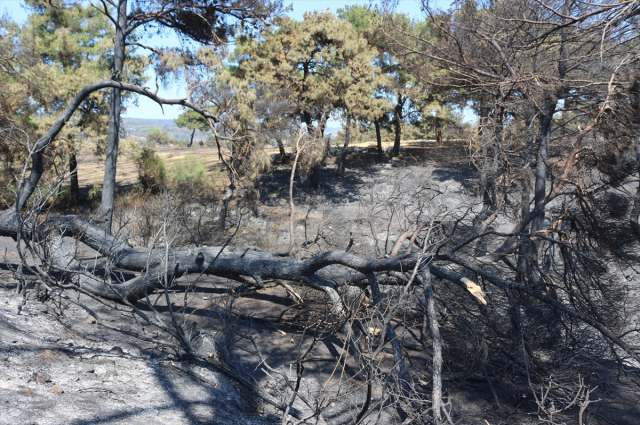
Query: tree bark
314, 178
27, 187
483, 118
438, 128
397, 122
635, 94
378, 140
220, 261
635, 212
283, 154
525, 251
540, 189
436, 339
73, 169
546, 124
319, 271
347, 139
193, 132
113, 135
224, 208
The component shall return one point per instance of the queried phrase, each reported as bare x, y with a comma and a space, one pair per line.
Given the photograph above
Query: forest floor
58, 366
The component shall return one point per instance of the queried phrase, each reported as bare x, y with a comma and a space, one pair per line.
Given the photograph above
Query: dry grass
91, 171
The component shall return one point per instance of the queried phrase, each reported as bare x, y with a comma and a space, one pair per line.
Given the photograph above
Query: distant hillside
332, 131
139, 127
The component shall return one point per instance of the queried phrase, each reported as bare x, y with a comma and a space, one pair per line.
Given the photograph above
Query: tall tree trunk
525, 252
314, 179
635, 212
378, 140
113, 135
283, 154
540, 189
347, 139
438, 128
493, 166
635, 94
546, 124
397, 122
73, 169
483, 120
549, 107
191, 141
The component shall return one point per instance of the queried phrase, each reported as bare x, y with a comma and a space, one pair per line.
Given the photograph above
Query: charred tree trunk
113, 135
540, 189
635, 212
283, 154
548, 109
314, 178
397, 123
224, 208
241, 263
438, 127
525, 251
546, 124
378, 140
483, 119
436, 339
27, 187
73, 178
220, 261
635, 96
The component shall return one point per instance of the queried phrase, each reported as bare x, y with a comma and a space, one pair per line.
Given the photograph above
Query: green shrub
190, 173
152, 171
187, 170
95, 191
64, 193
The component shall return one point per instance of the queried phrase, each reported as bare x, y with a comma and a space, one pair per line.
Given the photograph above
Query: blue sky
149, 109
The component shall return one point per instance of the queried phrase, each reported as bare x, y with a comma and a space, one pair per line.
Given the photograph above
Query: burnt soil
58, 366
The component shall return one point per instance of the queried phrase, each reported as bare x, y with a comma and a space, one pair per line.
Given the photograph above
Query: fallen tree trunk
222, 261
325, 272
